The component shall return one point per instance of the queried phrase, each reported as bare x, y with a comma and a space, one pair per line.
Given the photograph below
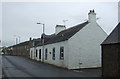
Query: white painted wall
57, 61
92, 16
32, 52
84, 47
59, 28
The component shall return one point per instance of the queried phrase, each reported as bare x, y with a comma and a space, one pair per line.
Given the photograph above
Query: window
39, 53
61, 53
36, 52
53, 54
46, 51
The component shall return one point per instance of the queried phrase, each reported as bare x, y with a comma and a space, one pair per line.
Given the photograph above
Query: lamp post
17, 38
43, 40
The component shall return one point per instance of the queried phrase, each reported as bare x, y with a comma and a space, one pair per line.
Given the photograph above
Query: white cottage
72, 48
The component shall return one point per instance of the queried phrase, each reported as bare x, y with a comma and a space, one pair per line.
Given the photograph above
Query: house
72, 48
23, 48
111, 54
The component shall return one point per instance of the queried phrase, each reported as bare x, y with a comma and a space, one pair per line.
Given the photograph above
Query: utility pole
43, 39
17, 39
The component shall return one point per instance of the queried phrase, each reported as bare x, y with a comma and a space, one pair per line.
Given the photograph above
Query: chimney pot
92, 16
59, 28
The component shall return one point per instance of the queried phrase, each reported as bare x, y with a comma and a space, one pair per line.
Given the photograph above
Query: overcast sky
20, 18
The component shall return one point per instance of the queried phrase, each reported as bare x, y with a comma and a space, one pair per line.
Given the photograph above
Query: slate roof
47, 37
36, 41
114, 36
22, 44
64, 35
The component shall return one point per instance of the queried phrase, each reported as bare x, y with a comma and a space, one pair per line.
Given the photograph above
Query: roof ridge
65, 34
74, 26
114, 36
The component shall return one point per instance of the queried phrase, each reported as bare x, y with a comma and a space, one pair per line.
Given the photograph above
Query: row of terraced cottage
72, 48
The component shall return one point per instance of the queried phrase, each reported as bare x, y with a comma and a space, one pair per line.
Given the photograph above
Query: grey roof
36, 41
21, 44
64, 35
114, 36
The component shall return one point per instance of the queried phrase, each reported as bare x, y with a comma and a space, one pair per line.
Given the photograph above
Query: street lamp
17, 38
43, 27
43, 39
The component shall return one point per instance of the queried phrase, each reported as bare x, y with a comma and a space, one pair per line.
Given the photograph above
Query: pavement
16, 66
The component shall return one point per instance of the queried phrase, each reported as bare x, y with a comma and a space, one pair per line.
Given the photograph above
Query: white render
86, 49
57, 61
91, 16
59, 28
82, 50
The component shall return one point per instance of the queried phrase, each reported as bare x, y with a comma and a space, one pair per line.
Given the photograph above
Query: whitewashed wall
57, 61
32, 53
84, 47
37, 48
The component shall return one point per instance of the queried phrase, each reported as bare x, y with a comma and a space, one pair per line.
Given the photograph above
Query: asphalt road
16, 66
0, 66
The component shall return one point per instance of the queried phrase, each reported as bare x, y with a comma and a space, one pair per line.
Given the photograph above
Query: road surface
16, 66
0, 66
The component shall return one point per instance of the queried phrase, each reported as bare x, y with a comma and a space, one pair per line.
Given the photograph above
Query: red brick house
22, 49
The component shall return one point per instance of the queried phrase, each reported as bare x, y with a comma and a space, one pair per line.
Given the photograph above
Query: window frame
53, 53
36, 53
46, 53
39, 53
62, 53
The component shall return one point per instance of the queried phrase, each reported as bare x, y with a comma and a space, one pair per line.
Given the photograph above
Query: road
0, 66
16, 66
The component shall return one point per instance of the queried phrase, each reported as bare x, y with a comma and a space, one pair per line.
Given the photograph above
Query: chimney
92, 16
30, 38
59, 28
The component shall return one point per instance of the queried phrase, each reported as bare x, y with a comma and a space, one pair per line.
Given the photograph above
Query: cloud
21, 18
60, 0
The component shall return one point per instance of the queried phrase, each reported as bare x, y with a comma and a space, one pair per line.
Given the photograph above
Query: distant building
72, 48
22, 49
111, 54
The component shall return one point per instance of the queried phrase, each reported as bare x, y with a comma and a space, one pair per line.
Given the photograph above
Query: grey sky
20, 18
0, 23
